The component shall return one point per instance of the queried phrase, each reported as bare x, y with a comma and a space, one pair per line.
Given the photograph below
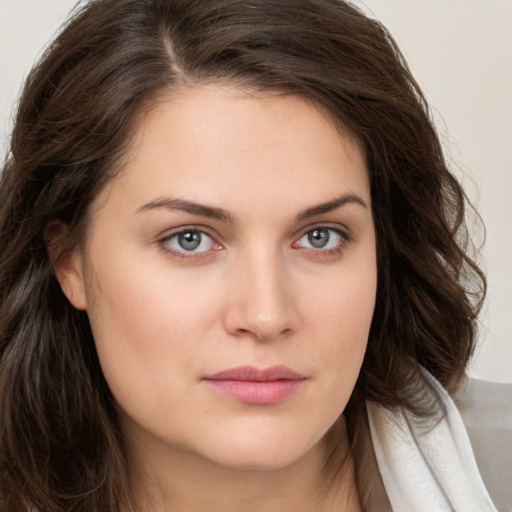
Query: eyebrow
188, 207
332, 205
225, 216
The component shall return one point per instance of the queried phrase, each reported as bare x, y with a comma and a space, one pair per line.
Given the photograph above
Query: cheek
147, 329
145, 304
343, 305
341, 315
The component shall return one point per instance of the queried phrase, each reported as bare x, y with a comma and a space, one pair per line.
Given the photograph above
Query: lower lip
256, 392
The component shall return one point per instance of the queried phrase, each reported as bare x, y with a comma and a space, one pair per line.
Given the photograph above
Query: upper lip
251, 373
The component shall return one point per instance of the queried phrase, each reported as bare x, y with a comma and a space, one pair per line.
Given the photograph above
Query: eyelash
345, 238
183, 254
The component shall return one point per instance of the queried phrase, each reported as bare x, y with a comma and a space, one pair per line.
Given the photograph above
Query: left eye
321, 238
190, 240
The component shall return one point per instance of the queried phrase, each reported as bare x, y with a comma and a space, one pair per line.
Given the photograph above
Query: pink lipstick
256, 386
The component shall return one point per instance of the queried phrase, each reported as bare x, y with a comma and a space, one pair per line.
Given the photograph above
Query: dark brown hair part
60, 446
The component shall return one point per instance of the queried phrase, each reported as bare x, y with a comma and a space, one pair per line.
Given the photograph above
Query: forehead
224, 145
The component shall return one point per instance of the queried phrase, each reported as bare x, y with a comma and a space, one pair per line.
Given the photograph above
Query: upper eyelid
346, 237
169, 233
340, 228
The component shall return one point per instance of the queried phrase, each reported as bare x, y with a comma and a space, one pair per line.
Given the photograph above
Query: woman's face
229, 275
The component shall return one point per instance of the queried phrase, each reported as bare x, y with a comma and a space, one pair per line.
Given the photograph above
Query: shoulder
483, 402
458, 460
486, 409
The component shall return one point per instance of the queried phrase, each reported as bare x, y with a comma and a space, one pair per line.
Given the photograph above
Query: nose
262, 304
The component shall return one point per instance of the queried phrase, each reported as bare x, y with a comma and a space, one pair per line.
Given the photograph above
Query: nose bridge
263, 304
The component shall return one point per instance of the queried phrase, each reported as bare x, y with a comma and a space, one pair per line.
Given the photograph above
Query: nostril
264, 334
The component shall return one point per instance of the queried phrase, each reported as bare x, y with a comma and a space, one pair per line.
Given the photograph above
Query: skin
256, 291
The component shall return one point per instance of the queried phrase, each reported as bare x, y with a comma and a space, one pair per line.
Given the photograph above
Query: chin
265, 454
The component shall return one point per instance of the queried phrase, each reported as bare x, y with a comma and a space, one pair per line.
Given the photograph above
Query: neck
175, 480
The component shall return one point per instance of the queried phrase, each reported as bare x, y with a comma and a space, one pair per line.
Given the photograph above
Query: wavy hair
60, 445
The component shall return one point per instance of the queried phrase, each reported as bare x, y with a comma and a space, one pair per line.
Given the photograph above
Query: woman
234, 269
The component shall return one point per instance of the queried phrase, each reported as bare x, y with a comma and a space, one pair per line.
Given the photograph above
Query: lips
252, 385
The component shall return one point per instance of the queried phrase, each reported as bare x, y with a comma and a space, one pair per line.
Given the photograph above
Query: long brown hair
60, 446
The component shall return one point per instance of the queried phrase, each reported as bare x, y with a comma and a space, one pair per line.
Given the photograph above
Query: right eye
188, 242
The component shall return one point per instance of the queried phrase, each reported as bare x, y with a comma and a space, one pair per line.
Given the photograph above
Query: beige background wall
460, 51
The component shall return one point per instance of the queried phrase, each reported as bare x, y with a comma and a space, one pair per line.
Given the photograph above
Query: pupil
318, 237
189, 240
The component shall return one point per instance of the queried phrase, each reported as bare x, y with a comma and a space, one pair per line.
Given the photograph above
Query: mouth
252, 385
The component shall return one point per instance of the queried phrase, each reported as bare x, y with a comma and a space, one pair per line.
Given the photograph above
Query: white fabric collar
427, 470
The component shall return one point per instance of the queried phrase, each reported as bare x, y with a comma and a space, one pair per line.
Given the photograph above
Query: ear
67, 263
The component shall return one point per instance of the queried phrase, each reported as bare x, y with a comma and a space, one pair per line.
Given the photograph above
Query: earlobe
67, 263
